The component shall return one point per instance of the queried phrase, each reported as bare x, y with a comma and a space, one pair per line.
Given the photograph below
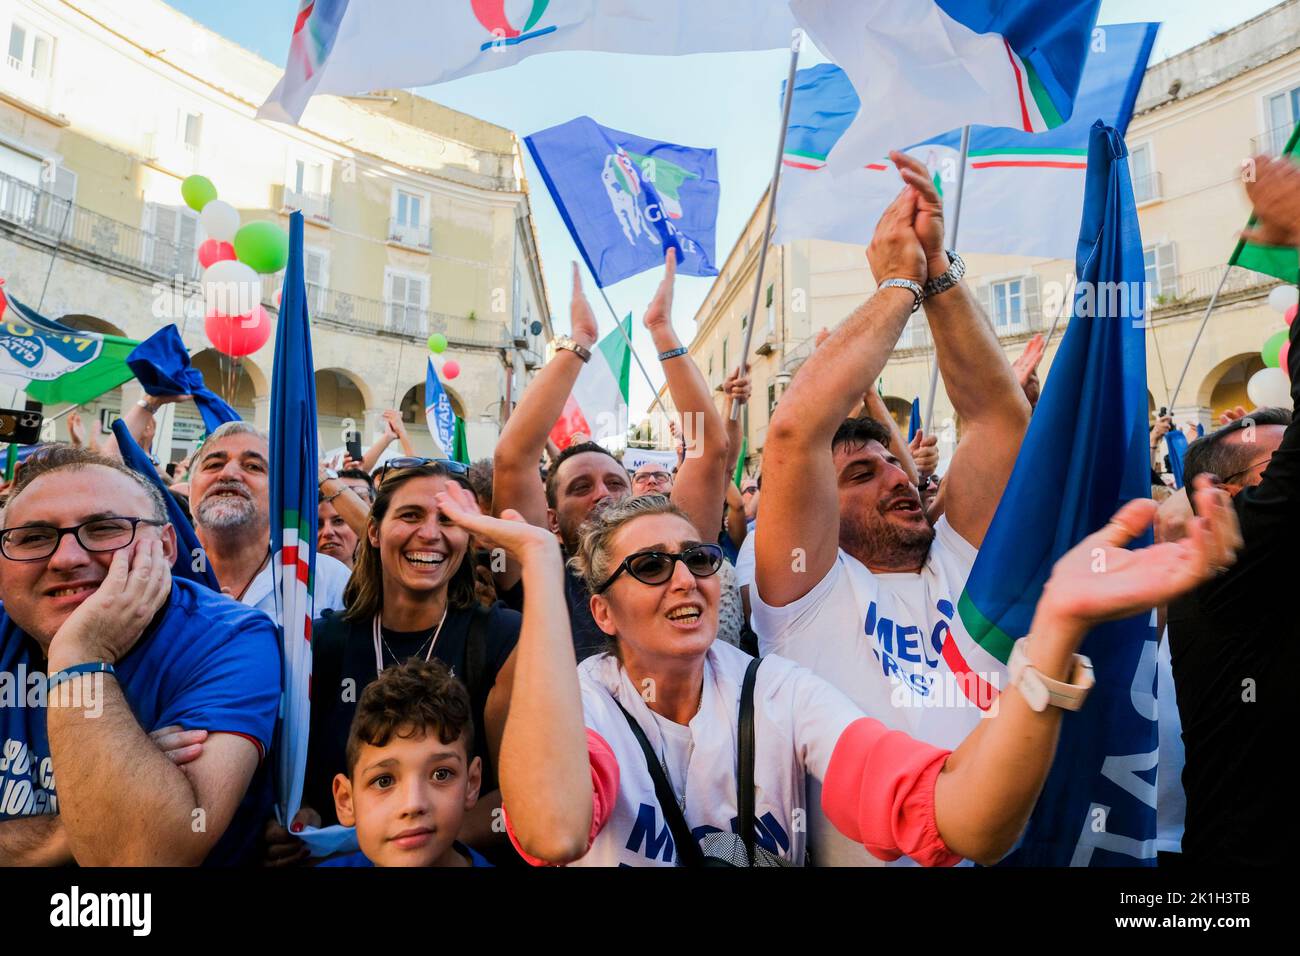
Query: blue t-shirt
206, 662
360, 859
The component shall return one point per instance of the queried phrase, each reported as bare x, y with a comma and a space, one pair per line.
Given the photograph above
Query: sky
726, 101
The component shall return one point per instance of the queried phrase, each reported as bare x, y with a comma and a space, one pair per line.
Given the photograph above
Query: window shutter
769, 294
1167, 269
162, 256
1033, 318
982, 297
187, 241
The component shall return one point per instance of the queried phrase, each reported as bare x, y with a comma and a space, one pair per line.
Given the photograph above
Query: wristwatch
913, 287
149, 405
330, 475
956, 269
568, 342
1040, 691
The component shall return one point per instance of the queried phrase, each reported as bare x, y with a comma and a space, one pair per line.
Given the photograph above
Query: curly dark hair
407, 700
856, 432
553, 473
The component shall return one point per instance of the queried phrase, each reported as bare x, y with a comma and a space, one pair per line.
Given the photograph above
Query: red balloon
1290, 315
1284, 355
238, 335
450, 369
214, 250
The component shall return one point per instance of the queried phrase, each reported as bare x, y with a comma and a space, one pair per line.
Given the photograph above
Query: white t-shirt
676, 754
332, 577
745, 562
878, 638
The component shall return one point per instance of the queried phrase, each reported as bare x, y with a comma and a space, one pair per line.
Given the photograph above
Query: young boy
410, 774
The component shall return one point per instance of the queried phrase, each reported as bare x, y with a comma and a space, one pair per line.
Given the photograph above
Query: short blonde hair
596, 536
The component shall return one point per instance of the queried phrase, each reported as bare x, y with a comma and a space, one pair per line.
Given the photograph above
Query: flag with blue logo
438, 413
1023, 192
1086, 453
626, 199
294, 497
190, 562
920, 67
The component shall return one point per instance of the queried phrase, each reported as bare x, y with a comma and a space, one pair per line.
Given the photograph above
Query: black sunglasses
656, 567
397, 464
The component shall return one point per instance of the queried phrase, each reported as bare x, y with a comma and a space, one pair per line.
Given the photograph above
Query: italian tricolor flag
597, 407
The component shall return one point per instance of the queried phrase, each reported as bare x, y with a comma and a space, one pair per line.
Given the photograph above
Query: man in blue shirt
100, 647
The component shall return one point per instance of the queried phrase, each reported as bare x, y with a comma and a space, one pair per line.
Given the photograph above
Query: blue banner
626, 199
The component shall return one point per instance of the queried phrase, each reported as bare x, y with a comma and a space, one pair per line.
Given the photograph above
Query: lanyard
378, 638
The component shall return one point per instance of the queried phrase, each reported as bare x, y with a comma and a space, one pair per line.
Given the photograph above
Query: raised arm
800, 488
545, 771
697, 489
985, 393
516, 482
990, 783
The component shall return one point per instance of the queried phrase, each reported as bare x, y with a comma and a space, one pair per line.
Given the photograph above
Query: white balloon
230, 287
1282, 298
1269, 387
220, 220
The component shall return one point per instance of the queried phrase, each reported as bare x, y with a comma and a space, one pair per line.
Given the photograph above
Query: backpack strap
688, 850
745, 761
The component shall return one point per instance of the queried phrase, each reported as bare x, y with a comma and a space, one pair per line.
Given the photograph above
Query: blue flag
914, 425
1086, 453
438, 413
626, 199
161, 363
294, 497
1176, 442
188, 550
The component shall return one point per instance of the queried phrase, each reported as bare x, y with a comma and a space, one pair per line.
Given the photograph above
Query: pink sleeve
879, 791
604, 792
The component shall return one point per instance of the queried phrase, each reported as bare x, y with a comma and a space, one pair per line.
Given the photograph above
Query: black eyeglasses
1235, 474
397, 464
38, 541
648, 477
656, 567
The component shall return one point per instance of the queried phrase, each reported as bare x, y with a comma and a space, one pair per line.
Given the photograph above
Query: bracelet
672, 353
76, 670
148, 406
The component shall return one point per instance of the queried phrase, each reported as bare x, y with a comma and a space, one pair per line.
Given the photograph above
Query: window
1146, 181
1012, 304
316, 268
31, 52
407, 295
771, 398
171, 242
309, 177
1282, 111
744, 321
771, 311
188, 130
725, 341
409, 224
1161, 272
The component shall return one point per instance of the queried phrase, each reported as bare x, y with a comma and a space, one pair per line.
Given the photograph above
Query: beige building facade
1199, 115
417, 217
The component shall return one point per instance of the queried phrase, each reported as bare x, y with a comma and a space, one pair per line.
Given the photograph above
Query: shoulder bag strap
688, 851
745, 768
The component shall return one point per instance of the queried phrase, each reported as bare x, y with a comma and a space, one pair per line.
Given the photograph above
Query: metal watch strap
910, 286
673, 353
567, 342
941, 284
1059, 694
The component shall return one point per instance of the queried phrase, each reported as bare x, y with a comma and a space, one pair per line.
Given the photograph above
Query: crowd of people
545, 659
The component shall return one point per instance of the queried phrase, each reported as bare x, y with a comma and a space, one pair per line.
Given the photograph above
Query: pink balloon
1283, 355
214, 250
1290, 314
450, 369
238, 335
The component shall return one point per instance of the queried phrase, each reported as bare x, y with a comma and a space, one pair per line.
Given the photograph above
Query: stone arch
1224, 386
346, 381
239, 382
901, 410
92, 323
412, 404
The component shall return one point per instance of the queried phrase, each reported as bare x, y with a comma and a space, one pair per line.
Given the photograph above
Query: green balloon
198, 191
437, 343
1272, 349
262, 245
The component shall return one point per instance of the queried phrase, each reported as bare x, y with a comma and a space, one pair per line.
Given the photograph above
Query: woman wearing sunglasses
411, 595
576, 783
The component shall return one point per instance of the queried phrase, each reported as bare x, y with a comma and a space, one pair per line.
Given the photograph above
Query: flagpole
618, 324
796, 42
951, 240
1197, 341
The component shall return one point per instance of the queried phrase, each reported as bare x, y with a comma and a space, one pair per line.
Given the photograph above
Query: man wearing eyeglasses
136, 709
651, 479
